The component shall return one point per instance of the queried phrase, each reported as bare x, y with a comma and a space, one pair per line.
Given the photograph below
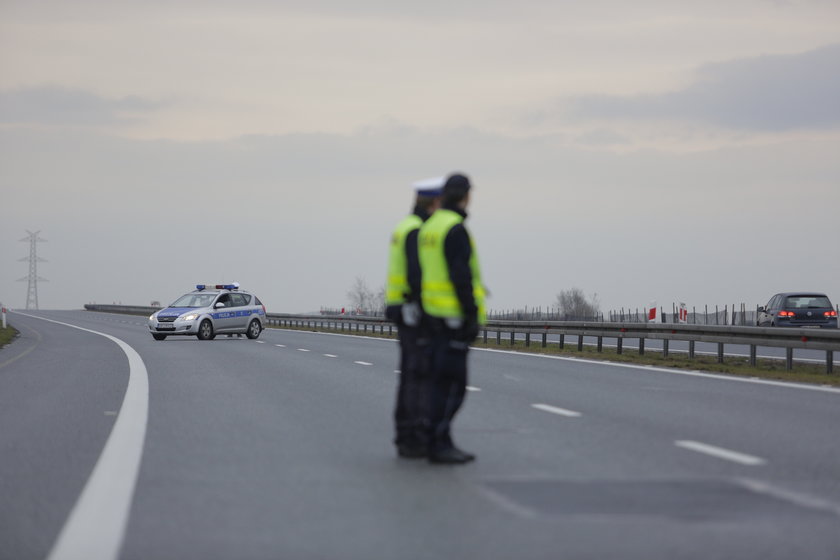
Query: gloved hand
411, 313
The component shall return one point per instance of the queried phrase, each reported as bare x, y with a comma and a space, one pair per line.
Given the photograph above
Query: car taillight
786, 314
830, 314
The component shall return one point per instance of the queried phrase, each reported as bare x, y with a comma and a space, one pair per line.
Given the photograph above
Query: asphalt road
280, 448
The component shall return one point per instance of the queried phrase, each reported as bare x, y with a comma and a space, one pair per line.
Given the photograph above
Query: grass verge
736, 366
7, 335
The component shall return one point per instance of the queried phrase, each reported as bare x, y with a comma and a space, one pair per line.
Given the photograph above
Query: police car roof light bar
234, 286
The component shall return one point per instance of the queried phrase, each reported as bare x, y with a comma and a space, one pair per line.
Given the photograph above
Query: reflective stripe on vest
437, 291
397, 287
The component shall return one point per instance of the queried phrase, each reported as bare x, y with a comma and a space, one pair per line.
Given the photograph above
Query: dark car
798, 309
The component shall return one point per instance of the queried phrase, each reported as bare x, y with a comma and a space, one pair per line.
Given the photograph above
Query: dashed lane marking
557, 410
721, 453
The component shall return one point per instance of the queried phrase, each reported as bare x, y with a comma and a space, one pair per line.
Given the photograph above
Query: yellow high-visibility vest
397, 287
437, 291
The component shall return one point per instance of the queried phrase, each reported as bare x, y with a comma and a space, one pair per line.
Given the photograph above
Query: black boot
450, 456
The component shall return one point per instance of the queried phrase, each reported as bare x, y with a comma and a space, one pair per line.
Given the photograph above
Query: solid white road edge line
784, 384
690, 373
557, 410
721, 453
797, 498
96, 525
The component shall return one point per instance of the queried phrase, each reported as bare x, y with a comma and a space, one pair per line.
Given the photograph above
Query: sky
654, 150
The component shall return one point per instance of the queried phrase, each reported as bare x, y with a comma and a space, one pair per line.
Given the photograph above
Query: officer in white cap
402, 298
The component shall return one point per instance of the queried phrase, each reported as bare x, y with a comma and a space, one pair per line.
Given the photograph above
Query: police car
210, 310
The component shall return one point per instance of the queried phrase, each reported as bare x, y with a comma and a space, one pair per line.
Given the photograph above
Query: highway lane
281, 448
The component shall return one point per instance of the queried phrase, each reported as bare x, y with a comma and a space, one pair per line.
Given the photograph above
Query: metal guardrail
827, 340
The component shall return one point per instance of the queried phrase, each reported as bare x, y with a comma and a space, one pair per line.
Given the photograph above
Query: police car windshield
194, 300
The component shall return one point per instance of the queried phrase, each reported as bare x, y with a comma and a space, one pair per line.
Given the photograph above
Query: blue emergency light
234, 286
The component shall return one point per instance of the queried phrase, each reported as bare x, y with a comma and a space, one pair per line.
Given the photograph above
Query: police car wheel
254, 330
157, 336
205, 330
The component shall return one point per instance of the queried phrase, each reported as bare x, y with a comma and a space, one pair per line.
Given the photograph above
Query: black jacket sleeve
458, 251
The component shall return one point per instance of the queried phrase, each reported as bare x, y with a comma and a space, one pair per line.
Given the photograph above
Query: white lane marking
303, 350
96, 525
280, 345
471, 388
557, 410
330, 355
363, 363
690, 373
802, 500
721, 453
260, 342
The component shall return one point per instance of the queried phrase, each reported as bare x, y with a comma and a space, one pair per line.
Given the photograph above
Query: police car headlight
189, 317
152, 317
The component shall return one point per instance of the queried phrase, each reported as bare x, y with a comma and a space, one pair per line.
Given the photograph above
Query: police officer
453, 298
402, 297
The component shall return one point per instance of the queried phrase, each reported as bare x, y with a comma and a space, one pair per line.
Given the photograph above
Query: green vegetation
6, 335
764, 369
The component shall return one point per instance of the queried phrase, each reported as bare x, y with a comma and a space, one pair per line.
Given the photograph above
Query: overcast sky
647, 150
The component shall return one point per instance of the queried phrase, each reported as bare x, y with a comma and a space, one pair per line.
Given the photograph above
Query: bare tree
364, 299
574, 305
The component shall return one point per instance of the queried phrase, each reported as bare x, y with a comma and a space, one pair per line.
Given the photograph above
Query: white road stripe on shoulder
96, 525
474, 389
363, 363
721, 453
557, 410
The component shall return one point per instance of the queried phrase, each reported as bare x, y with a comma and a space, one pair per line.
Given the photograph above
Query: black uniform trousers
410, 414
447, 364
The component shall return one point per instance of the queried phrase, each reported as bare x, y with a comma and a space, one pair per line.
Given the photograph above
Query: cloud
767, 93
50, 105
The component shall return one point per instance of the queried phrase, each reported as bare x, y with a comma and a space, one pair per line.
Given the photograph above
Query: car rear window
806, 302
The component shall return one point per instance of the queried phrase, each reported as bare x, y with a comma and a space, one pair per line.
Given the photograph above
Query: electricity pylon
32, 277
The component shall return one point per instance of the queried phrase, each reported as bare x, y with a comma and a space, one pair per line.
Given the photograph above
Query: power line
32, 293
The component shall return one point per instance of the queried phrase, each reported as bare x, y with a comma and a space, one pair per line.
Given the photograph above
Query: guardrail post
753, 355
789, 359
641, 346
544, 339
499, 337
665, 347
580, 343
485, 336
720, 353
600, 344
619, 345
562, 341
829, 361
528, 339
690, 349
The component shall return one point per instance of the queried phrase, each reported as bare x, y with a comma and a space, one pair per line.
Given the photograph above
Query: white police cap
429, 187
